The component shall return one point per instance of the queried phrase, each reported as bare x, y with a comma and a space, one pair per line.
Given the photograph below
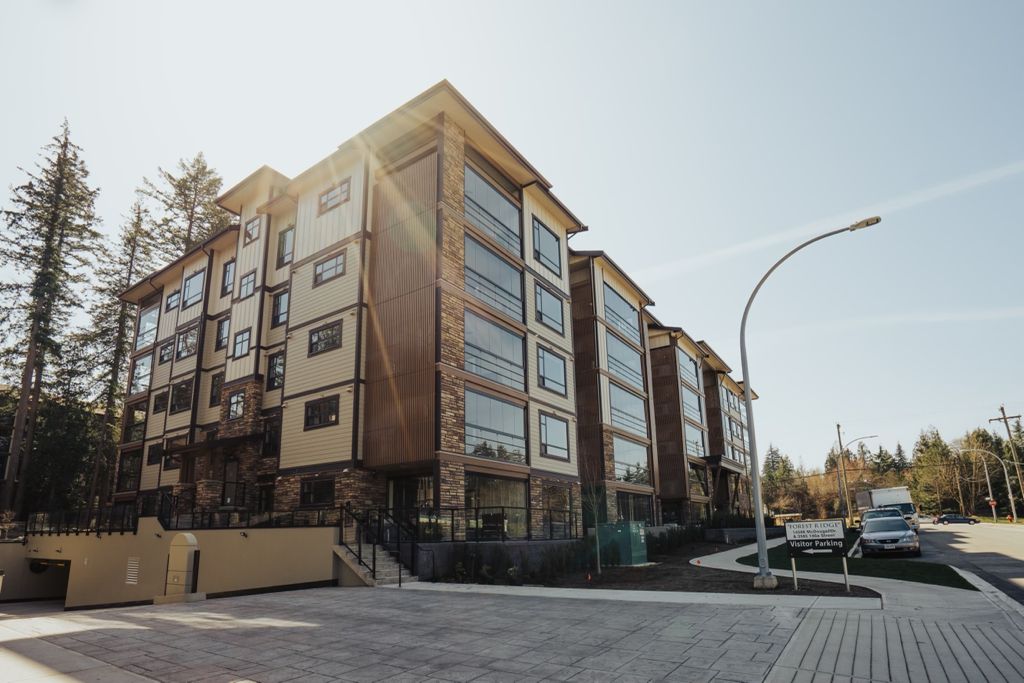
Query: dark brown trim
227, 412
206, 283
192, 406
480, 236
330, 248
219, 390
332, 468
175, 378
536, 309
571, 412
177, 305
484, 466
270, 589
363, 274
534, 222
262, 302
629, 436
216, 329
267, 386
485, 385
343, 253
309, 343
317, 390
240, 380
279, 263
273, 303
484, 310
347, 182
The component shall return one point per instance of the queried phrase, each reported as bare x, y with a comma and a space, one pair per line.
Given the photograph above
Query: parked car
887, 536
954, 519
875, 513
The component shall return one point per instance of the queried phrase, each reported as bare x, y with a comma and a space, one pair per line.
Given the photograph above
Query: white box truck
894, 497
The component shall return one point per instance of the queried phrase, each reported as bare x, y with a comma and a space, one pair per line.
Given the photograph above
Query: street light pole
1006, 474
988, 483
764, 578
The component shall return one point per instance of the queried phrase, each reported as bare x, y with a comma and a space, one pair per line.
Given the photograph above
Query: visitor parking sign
818, 537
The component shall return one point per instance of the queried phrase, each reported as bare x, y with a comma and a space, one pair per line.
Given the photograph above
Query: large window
492, 280
236, 404
692, 406
497, 508
632, 463
141, 372
223, 333
495, 429
698, 480
547, 248
216, 382
329, 269
148, 320
279, 312
624, 361
695, 442
181, 396
335, 196
134, 422
241, 346
549, 309
627, 410
635, 507
490, 211
252, 230
285, 247
551, 370
128, 470
188, 343
227, 278
621, 315
688, 371
316, 492
325, 338
247, 285
192, 293
323, 412
554, 437
275, 370
494, 352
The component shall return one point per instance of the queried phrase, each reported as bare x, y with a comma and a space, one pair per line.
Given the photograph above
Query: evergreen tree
56, 474
111, 333
186, 205
883, 461
48, 236
899, 459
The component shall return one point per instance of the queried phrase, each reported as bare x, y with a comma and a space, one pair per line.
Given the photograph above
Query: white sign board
816, 537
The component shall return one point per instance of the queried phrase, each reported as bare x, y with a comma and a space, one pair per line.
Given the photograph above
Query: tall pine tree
110, 335
185, 205
48, 236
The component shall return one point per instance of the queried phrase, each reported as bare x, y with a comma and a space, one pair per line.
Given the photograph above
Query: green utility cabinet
623, 543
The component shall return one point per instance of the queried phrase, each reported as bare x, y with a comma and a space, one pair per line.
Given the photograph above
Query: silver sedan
887, 536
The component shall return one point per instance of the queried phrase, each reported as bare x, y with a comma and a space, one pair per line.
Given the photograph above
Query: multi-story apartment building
389, 327
681, 414
727, 436
618, 459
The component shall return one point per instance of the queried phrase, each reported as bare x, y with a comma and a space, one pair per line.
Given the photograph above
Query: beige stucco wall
229, 562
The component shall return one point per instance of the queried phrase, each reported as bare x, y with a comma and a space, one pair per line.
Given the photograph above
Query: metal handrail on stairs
362, 529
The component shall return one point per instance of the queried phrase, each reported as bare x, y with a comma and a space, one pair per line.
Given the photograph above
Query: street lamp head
866, 223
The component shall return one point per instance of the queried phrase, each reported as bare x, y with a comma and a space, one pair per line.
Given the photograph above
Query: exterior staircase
388, 567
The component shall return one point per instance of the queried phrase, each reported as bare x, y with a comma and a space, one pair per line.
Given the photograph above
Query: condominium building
391, 327
618, 459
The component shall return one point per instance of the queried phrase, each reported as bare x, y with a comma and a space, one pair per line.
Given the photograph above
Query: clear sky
698, 140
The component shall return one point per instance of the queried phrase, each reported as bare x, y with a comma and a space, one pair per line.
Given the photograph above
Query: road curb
1013, 609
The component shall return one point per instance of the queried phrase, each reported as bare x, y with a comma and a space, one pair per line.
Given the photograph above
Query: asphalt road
993, 551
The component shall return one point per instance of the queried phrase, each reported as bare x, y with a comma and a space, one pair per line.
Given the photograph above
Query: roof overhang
641, 294
146, 286
259, 182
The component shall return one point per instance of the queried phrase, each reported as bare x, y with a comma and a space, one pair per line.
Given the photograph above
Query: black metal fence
118, 519
500, 523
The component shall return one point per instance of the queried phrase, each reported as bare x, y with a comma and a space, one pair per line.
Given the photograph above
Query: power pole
1009, 435
988, 482
844, 481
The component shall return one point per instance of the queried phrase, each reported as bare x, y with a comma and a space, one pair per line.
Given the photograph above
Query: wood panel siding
400, 411
588, 386
301, 447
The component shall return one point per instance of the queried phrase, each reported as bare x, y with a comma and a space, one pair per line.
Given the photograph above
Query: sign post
815, 538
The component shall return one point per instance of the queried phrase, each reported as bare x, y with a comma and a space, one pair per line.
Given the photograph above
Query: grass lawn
882, 567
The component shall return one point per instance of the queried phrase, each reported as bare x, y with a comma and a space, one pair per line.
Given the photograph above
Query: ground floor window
698, 513
411, 494
495, 507
557, 512
635, 507
317, 493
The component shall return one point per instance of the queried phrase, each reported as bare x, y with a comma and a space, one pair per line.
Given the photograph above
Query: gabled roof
647, 301
144, 287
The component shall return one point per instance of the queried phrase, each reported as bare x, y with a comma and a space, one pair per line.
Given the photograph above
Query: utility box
623, 543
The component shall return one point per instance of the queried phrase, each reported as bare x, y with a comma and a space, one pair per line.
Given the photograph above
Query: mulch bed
675, 573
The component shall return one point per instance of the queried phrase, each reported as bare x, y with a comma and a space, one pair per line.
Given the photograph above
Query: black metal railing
117, 519
497, 523
354, 535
